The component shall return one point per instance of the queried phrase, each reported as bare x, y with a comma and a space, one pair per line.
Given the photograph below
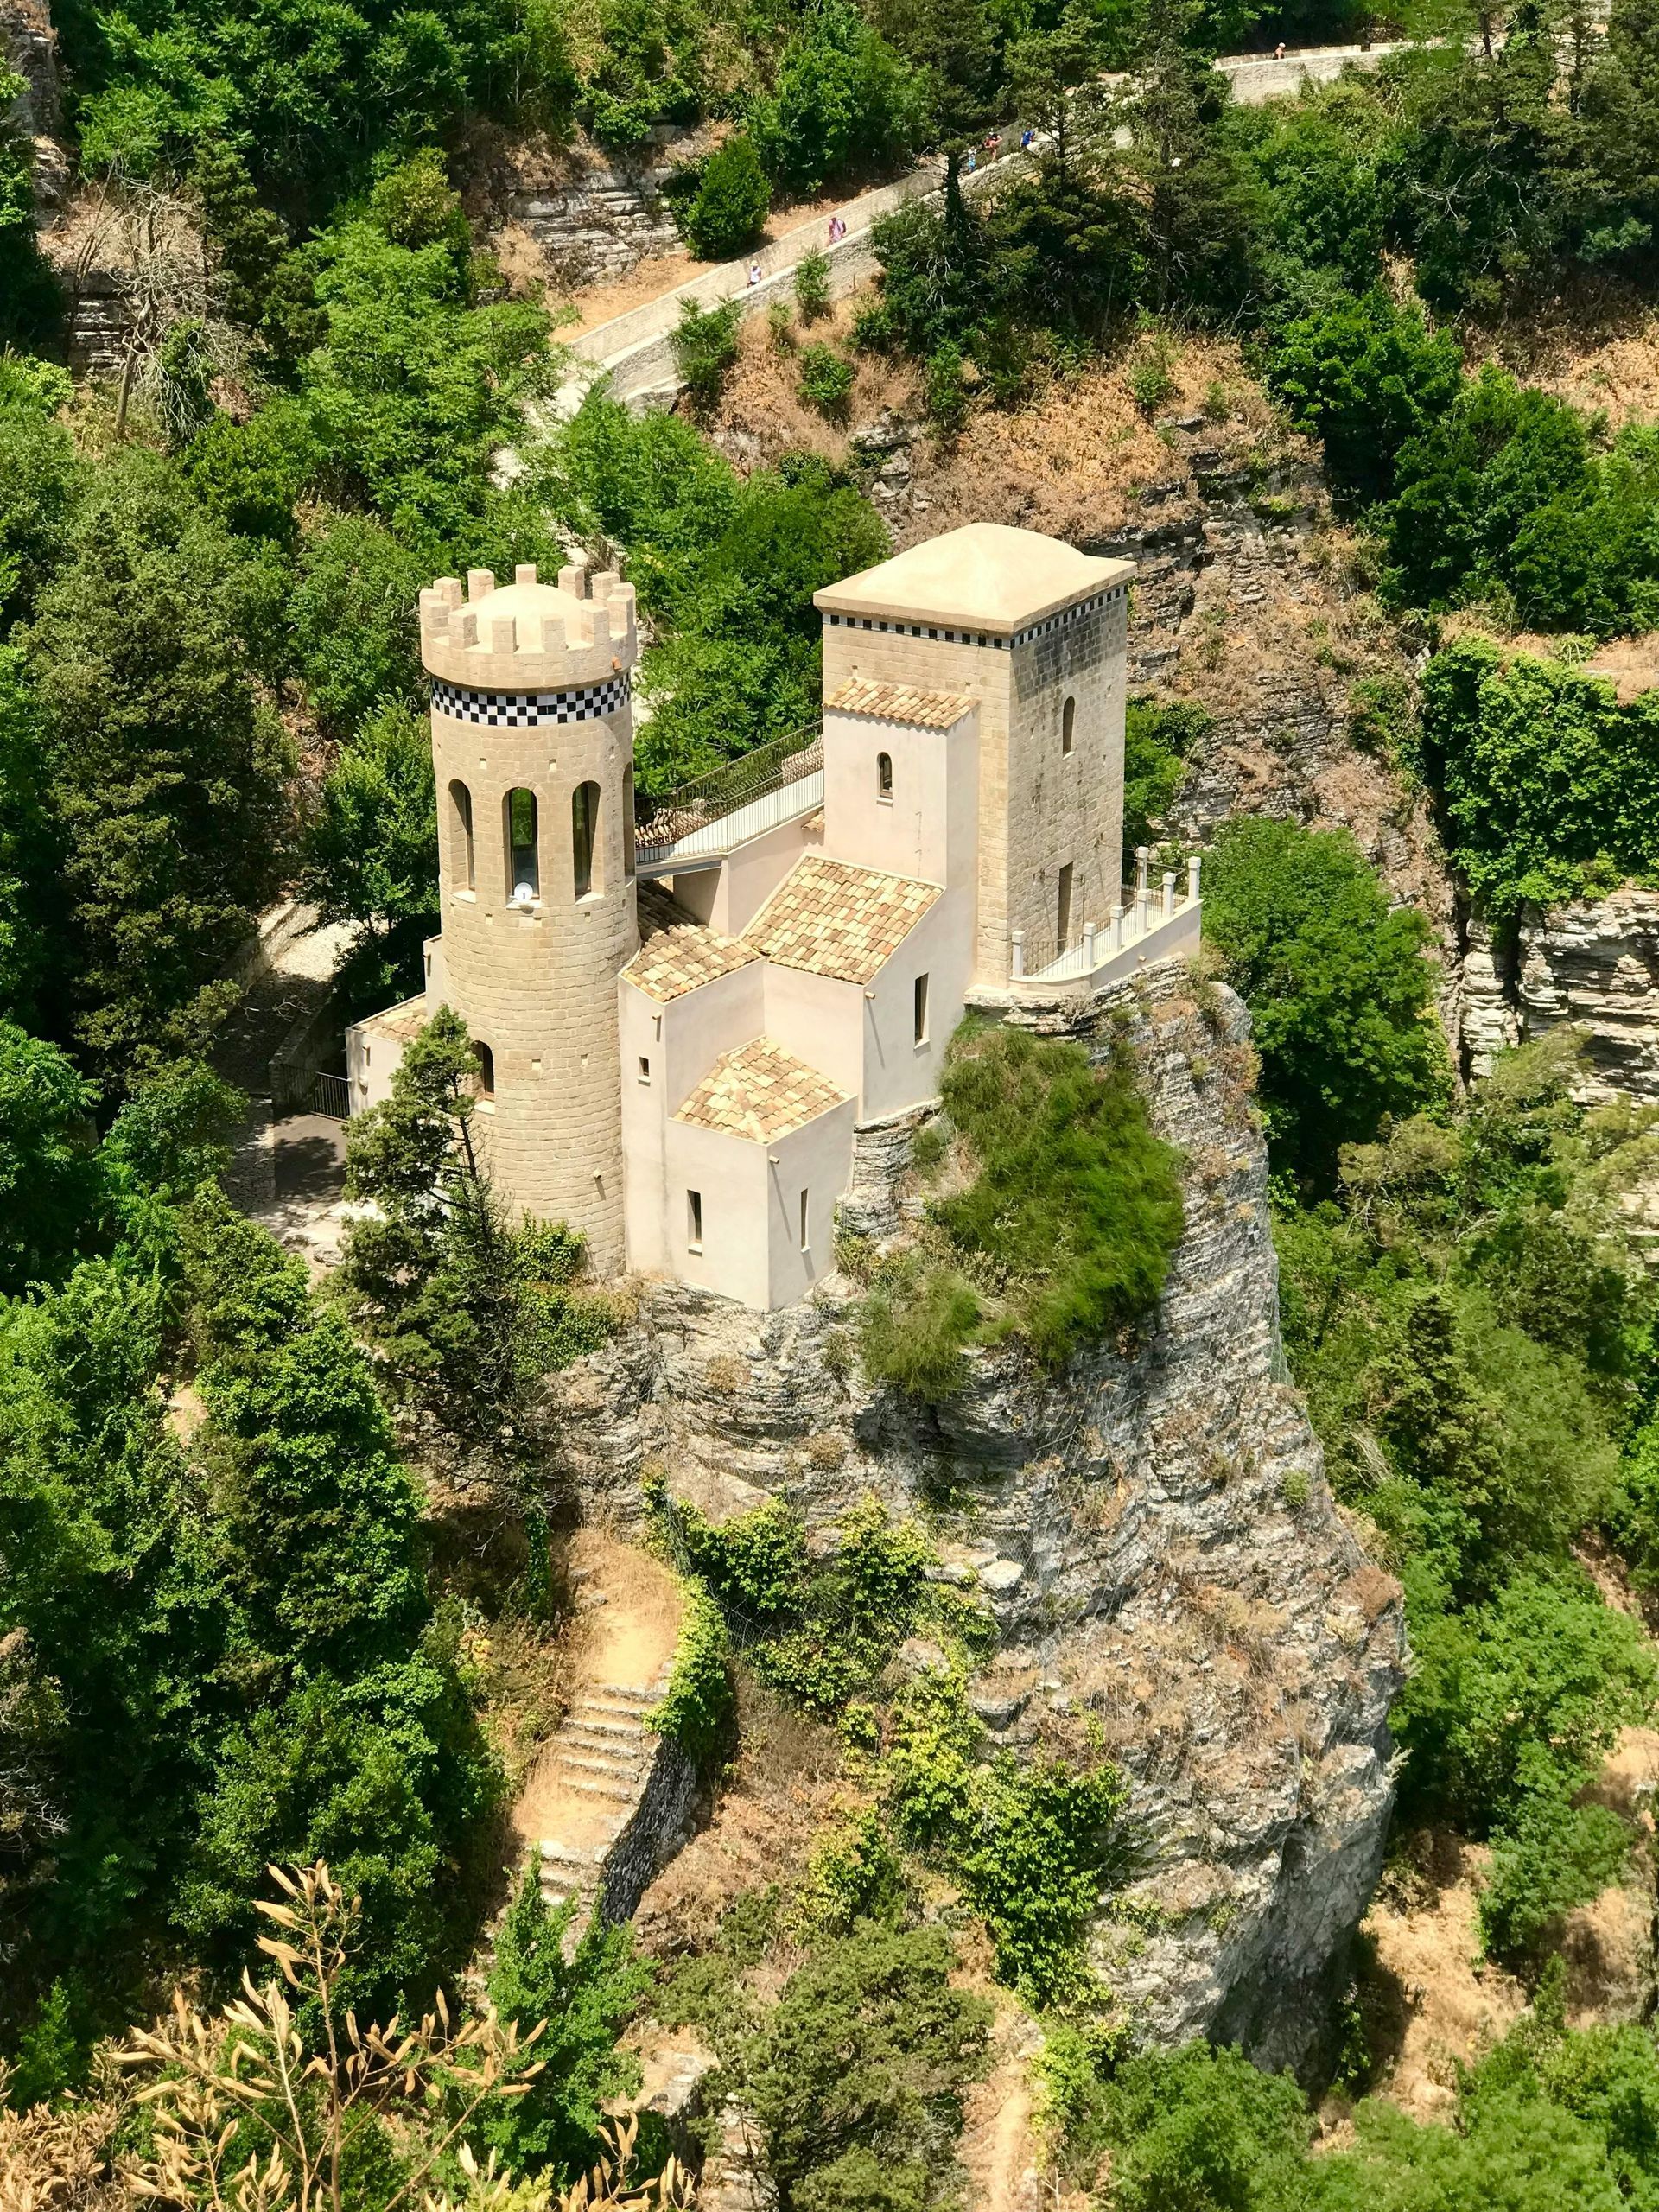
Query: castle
682, 1022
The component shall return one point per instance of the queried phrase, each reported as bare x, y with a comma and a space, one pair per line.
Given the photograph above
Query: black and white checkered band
529, 710
1050, 623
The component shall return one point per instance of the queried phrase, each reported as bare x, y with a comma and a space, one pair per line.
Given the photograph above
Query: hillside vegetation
246, 1620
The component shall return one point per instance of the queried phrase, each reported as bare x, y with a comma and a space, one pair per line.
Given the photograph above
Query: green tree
842, 103
1363, 376
467, 1312
319, 1524
860, 2071
351, 617
372, 852
1340, 994
165, 772
955, 48
586, 2002
728, 211
46, 1172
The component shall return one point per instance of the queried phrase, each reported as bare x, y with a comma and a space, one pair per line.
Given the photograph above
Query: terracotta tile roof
759, 1091
405, 1019
676, 951
900, 702
832, 919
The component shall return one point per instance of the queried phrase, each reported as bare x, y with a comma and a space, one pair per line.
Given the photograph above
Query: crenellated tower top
528, 636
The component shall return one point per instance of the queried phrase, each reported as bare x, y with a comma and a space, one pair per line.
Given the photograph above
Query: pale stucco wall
821, 1020
727, 898
373, 1056
898, 1072
682, 1039
818, 1161
929, 826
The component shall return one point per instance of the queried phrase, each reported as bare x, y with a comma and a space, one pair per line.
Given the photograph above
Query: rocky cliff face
1152, 1530
1595, 963
28, 46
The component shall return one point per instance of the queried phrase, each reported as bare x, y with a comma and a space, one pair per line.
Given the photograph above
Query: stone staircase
605, 1760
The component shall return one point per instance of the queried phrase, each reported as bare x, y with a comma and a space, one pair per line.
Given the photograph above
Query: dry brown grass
787, 1787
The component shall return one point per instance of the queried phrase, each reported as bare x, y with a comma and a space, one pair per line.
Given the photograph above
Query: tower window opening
523, 858
1065, 916
486, 1060
883, 779
584, 836
644, 1069
1068, 725
627, 819
921, 1009
694, 1221
806, 1241
461, 803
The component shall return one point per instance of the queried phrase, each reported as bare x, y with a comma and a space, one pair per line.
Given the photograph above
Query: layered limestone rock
1595, 963
28, 47
1151, 1529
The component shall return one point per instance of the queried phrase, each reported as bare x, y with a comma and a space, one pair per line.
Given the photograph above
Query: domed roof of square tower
984, 577
527, 635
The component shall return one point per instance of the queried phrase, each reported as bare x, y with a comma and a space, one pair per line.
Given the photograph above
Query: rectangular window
1065, 906
807, 1241
921, 1009
694, 1221
644, 1069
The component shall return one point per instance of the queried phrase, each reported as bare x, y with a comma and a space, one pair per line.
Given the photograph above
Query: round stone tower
532, 746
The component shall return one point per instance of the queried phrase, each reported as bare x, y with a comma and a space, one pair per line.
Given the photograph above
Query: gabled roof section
759, 1091
832, 919
900, 703
984, 577
676, 951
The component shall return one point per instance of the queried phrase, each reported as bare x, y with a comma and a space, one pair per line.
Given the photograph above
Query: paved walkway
633, 348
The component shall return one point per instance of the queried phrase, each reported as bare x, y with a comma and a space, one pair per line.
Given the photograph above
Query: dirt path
626, 1649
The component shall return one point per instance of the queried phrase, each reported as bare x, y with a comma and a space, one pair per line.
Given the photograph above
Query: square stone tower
532, 748
1035, 633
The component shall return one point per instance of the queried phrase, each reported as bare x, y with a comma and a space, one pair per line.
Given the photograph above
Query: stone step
606, 1762
618, 1742
619, 1732
589, 1786
632, 1756
562, 1855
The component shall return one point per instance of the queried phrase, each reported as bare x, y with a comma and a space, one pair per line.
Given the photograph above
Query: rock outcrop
28, 47
1151, 1529
1595, 963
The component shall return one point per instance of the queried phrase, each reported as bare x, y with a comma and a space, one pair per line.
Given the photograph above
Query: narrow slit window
1068, 725
523, 858
694, 1221
486, 1060
644, 1069
584, 835
921, 1009
1065, 916
627, 820
884, 777
807, 1241
461, 803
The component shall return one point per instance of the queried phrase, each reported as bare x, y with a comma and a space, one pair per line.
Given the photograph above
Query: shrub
857, 2078
826, 382
812, 285
842, 101
945, 387
728, 212
1556, 1856
915, 1325
1363, 376
780, 327
705, 350
585, 2000
1339, 992
1150, 373
1204, 2129
696, 1708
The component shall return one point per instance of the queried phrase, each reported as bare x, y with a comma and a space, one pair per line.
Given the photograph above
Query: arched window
524, 863
584, 836
627, 819
1068, 725
461, 806
486, 1060
884, 777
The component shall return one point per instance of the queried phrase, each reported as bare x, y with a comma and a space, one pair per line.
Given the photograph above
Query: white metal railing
700, 823
1145, 925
